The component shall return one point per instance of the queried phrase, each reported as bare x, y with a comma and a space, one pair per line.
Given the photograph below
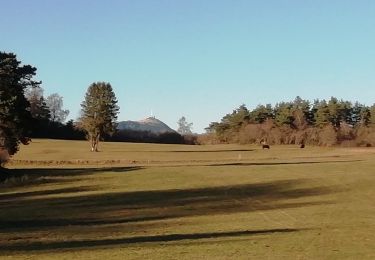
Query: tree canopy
184, 128
299, 121
55, 104
99, 112
15, 116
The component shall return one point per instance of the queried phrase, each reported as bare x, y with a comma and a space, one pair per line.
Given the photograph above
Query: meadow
153, 201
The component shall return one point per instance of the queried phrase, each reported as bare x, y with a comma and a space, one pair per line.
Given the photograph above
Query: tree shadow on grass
212, 151
37, 211
196, 151
20, 195
280, 163
15, 177
75, 244
69, 172
128, 207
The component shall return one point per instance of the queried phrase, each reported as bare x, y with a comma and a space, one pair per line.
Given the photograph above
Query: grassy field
148, 201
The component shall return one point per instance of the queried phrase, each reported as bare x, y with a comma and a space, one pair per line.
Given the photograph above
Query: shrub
327, 136
365, 136
345, 133
190, 139
251, 134
312, 136
207, 139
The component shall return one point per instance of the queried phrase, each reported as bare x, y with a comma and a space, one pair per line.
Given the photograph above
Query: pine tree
261, 113
364, 116
284, 114
337, 110
321, 113
99, 112
15, 114
237, 118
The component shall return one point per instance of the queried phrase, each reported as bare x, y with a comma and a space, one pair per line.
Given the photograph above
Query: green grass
147, 201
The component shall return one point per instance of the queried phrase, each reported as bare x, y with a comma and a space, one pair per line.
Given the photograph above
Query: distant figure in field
265, 146
302, 146
25, 140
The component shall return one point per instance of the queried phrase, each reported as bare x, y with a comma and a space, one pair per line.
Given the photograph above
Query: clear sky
195, 58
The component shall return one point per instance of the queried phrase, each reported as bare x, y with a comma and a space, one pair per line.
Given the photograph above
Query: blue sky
195, 58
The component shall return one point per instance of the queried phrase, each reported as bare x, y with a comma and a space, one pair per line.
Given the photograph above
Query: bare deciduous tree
184, 128
55, 104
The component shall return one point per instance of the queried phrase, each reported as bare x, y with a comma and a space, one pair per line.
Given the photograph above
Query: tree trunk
95, 143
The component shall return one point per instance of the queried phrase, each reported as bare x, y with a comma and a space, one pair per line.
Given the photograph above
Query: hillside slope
150, 124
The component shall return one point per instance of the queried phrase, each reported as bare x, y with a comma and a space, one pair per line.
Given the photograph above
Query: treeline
48, 117
148, 137
322, 122
25, 113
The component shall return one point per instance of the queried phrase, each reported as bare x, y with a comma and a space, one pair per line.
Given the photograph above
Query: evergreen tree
337, 111
261, 113
325, 123
334, 111
15, 114
284, 114
212, 128
361, 115
237, 118
321, 113
365, 116
347, 112
355, 117
99, 112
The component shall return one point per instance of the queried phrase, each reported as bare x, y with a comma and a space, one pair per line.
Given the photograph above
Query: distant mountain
150, 124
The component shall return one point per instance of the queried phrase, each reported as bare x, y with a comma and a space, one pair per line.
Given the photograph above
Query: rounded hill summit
150, 124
